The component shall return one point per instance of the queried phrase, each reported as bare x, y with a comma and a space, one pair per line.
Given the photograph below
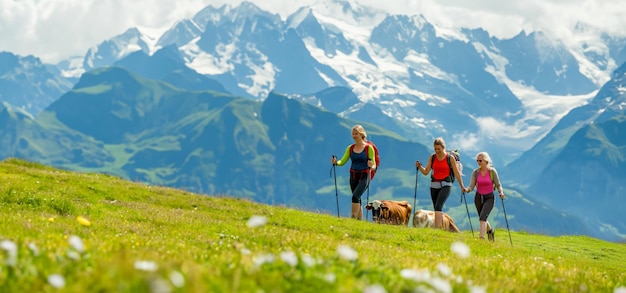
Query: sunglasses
479, 161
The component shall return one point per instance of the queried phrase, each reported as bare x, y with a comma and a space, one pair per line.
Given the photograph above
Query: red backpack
376, 156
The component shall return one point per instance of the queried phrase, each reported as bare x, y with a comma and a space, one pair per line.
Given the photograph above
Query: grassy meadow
83, 232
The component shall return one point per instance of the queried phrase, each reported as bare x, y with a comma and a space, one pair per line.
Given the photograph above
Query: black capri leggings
358, 185
439, 197
484, 204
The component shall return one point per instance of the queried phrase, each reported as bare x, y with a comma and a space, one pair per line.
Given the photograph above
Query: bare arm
424, 170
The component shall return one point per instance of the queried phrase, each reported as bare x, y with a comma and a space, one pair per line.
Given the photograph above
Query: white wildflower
11, 248
440, 285
160, 285
620, 290
33, 248
76, 243
376, 288
289, 257
308, 260
444, 269
177, 279
256, 221
347, 253
330, 278
56, 281
145, 265
72, 254
414, 275
263, 259
461, 249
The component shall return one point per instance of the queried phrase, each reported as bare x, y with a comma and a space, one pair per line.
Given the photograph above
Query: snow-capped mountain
29, 84
533, 93
112, 50
478, 91
584, 161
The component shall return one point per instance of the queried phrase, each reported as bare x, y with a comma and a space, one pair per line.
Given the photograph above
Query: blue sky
57, 29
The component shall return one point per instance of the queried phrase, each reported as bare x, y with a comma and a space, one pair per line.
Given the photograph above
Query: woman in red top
440, 179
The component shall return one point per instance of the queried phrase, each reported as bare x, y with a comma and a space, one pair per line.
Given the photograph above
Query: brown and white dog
390, 211
426, 218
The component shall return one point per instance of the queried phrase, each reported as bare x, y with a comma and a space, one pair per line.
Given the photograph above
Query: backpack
457, 157
376, 156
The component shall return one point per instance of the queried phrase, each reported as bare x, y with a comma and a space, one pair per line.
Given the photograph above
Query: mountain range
238, 101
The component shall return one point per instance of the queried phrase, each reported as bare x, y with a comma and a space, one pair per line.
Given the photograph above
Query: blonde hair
439, 141
358, 128
485, 157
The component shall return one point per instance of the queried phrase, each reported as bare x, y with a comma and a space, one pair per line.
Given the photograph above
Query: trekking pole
468, 215
507, 221
369, 180
334, 171
415, 196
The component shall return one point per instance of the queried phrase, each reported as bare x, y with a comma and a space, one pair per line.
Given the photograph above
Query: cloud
57, 29
490, 129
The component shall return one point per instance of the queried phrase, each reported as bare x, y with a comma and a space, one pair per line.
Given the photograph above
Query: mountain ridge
273, 151
426, 82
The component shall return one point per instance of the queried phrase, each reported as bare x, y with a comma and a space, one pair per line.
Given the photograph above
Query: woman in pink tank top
485, 178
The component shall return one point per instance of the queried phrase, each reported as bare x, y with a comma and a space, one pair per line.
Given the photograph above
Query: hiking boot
490, 235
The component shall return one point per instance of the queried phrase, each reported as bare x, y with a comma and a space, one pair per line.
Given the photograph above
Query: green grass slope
88, 232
